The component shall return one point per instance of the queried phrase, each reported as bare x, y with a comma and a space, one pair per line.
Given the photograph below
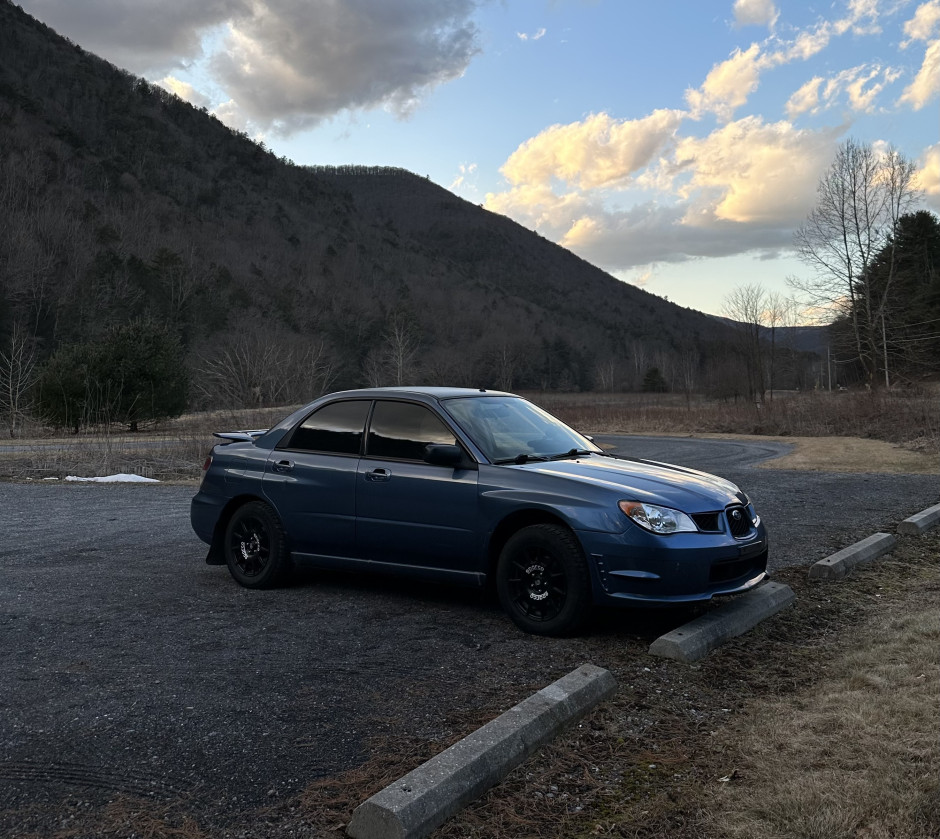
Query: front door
409, 512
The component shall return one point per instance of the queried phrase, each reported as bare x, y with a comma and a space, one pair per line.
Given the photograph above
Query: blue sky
675, 144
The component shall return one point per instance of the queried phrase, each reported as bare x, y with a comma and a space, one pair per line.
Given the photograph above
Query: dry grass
172, 458
856, 755
173, 451
909, 419
852, 454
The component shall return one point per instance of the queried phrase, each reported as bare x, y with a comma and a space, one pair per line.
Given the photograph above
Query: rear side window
401, 431
334, 429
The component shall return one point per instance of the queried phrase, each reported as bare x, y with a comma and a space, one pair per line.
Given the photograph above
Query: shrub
135, 373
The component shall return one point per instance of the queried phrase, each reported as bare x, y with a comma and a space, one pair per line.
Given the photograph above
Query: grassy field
910, 419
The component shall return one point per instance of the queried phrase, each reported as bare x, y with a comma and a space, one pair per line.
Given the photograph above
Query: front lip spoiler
678, 599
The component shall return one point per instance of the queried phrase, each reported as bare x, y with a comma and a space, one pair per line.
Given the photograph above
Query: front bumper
638, 567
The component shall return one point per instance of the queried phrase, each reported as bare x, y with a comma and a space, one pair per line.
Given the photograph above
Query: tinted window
335, 428
400, 430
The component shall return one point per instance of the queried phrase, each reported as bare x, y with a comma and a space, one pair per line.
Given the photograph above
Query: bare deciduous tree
746, 306
858, 204
17, 376
262, 368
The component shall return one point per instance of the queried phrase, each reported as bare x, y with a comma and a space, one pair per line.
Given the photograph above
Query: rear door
311, 479
408, 511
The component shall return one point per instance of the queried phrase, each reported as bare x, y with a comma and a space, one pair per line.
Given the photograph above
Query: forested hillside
121, 204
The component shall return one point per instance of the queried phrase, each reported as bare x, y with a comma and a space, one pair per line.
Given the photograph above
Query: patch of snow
116, 479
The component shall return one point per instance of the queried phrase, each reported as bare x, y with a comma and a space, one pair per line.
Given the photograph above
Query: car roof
433, 392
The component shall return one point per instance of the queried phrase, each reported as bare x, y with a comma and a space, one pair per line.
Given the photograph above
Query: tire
256, 547
542, 580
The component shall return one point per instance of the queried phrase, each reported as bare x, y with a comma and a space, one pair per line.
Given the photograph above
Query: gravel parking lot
133, 672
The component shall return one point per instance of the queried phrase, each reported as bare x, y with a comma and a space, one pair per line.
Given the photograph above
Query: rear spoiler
239, 436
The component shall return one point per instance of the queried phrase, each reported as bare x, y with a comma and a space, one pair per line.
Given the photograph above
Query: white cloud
465, 170
597, 151
755, 13
858, 88
864, 18
806, 99
728, 85
144, 36
928, 176
926, 84
651, 234
752, 172
925, 22
233, 116
536, 36
185, 91
291, 64
537, 207
742, 188
923, 27
285, 63
864, 90
806, 45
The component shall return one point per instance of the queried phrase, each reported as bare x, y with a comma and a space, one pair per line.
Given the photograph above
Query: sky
676, 144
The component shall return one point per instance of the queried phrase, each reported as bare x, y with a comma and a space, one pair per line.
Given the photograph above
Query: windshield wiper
571, 453
519, 459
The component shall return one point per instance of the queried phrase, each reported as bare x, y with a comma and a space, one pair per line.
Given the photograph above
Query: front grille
739, 521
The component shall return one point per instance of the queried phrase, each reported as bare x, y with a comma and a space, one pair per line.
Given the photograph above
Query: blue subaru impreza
472, 486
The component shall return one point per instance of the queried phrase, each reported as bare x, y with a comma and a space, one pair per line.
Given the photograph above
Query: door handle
378, 475
283, 466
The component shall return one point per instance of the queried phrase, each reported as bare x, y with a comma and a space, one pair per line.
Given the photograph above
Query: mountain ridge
123, 201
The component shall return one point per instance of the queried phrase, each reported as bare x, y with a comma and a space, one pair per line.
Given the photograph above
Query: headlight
658, 519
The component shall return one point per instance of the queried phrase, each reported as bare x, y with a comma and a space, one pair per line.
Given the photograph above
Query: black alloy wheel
542, 580
256, 547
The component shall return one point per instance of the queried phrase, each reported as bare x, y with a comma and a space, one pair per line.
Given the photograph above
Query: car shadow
608, 623
643, 623
394, 586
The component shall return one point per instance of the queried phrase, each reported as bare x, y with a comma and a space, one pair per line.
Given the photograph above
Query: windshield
508, 428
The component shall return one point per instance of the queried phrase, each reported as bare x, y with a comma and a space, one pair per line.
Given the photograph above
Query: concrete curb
836, 566
920, 522
695, 639
426, 797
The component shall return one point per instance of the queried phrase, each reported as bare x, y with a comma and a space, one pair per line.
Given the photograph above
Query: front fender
578, 513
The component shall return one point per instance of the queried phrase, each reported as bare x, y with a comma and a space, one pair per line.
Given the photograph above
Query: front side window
334, 429
401, 431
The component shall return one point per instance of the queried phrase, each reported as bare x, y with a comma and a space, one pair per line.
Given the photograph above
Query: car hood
645, 480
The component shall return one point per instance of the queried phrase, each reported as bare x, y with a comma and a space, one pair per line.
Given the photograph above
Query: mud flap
216, 555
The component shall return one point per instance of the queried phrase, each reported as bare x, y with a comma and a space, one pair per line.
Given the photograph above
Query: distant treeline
356, 169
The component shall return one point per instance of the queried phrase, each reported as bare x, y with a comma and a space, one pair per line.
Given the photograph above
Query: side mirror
440, 454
